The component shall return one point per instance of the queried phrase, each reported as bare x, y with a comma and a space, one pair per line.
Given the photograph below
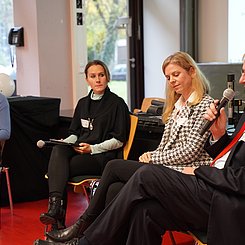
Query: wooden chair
85, 184
5, 170
146, 104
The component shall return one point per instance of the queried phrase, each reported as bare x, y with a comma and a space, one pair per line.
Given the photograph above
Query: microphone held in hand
52, 142
230, 110
228, 95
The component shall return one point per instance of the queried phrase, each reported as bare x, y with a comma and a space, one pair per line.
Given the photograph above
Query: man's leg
184, 199
147, 216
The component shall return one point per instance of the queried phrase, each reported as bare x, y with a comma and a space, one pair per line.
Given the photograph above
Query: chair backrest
147, 102
128, 145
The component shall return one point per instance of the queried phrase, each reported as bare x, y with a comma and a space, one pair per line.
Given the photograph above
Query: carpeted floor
23, 227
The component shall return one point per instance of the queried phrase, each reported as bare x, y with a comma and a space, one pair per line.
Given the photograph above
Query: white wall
54, 45
27, 57
213, 30
161, 38
44, 63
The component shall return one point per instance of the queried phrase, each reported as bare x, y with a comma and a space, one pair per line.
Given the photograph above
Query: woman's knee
59, 151
114, 164
145, 170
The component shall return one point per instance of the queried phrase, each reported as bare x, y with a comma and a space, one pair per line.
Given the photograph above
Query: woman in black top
99, 129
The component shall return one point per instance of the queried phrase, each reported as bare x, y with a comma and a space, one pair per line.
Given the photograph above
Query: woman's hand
189, 170
83, 148
145, 157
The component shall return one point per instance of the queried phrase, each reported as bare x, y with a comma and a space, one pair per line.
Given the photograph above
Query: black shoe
74, 231
74, 241
55, 214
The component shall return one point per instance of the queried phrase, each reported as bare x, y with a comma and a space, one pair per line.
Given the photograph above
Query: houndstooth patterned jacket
181, 143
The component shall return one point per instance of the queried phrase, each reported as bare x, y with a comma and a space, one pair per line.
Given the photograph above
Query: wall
27, 57
161, 38
44, 63
213, 30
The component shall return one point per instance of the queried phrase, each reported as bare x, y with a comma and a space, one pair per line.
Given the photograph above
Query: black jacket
227, 212
109, 118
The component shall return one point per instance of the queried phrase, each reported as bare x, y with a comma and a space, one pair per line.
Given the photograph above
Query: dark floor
23, 227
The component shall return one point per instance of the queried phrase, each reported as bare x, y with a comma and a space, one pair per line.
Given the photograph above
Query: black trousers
116, 173
155, 199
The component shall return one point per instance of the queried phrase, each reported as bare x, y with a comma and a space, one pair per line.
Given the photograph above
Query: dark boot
75, 230
74, 241
55, 213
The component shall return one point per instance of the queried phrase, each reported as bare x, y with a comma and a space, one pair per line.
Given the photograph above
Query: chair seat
78, 180
84, 184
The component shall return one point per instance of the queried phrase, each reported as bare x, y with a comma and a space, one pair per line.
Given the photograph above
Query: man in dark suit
156, 198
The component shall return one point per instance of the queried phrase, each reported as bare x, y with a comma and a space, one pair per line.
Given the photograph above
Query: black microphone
228, 95
230, 111
52, 142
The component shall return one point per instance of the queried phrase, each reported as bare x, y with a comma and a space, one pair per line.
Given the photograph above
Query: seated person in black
100, 127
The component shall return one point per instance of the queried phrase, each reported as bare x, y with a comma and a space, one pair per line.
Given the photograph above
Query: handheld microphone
52, 142
230, 112
228, 95
42, 143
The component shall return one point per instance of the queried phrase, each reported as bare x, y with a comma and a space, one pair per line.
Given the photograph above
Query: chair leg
5, 170
86, 193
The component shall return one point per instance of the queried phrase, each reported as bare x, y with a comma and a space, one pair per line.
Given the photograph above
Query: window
107, 40
7, 52
236, 34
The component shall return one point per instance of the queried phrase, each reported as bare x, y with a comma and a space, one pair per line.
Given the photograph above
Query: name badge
85, 123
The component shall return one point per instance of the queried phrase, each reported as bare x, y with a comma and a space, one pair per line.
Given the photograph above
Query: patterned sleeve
185, 144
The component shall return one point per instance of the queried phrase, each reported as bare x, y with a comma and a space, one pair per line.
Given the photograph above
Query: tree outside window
6, 51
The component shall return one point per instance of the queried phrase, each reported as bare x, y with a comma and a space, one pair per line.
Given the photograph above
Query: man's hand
218, 128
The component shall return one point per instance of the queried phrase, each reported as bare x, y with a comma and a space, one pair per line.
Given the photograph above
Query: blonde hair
243, 57
200, 83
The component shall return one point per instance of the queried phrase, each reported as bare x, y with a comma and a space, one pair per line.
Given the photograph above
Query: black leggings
65, 163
